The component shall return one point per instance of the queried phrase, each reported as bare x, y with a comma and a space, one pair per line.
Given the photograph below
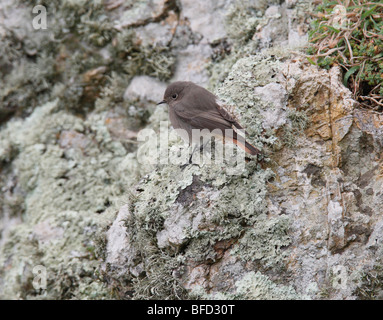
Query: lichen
265, 241
298, 121
253, 286
66, 207
241, 22
155, 61
224, 206
370, 284
68, 169
238, 90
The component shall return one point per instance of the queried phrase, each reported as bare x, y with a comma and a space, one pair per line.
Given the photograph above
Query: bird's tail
244, 145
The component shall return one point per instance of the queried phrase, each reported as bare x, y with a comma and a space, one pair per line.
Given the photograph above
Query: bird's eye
174, 96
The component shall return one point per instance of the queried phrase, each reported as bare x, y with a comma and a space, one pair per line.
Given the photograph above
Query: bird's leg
190, 158
203, 146
201, 149
191, 155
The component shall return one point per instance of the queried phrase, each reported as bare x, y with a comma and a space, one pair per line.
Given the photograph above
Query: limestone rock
121, 257
206, 17
145, 88
141, 13
108, 214
192, 64
274, 93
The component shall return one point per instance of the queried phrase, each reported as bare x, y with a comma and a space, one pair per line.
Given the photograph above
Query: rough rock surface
86, 211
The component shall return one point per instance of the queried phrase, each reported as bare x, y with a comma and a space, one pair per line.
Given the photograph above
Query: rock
141, 13
159, 34
121, 257
273, 12
275, 94
73, 139
192, 64
145, 88
273, 30
206, 17
174, 232
302, 220
334, 235
155, 34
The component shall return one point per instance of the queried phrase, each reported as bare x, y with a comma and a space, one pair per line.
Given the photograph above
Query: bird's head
174, 92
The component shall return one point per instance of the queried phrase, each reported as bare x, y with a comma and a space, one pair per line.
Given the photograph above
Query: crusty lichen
242, 20
156, 61
72, 59
67, 172
370, 286
212, 204
252, 286
73, 182
298, 121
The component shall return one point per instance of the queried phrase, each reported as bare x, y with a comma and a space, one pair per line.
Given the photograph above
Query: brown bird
193, 107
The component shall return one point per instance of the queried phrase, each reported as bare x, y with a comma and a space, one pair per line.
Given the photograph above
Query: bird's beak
163, 101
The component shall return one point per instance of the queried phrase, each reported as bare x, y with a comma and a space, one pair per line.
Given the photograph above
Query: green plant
350, 34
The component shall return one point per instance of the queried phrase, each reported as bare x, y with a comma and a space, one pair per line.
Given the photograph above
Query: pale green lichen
253, 286
238, 90
233, 206
257, 286
298, 122
57, 241
241, 21
265, 241
155, 61
71, 195
66, 195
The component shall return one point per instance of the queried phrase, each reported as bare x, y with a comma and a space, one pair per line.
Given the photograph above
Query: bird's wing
205, 113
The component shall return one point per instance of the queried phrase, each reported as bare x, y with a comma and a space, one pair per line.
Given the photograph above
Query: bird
193, 107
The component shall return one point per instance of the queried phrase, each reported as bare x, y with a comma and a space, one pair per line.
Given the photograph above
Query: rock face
86, 212
334, 207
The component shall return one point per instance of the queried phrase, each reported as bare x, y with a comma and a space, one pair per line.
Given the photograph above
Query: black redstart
193, 107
